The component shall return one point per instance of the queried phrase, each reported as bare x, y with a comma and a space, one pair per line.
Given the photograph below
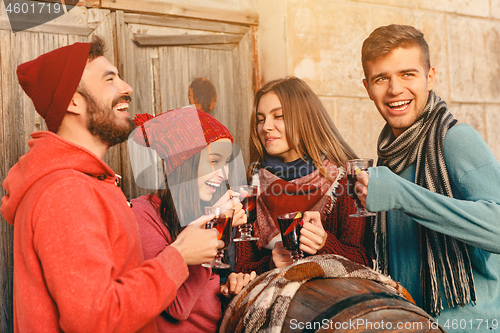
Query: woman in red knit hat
196, 150
298, 156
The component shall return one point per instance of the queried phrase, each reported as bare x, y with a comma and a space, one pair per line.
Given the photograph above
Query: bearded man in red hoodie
78, 263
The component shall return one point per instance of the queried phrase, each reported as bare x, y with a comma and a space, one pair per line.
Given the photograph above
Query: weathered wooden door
163, 57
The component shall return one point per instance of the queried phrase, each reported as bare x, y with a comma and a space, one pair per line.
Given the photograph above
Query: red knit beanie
179, 134
51, 80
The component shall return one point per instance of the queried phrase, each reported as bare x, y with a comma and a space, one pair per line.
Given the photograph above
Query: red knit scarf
278, 196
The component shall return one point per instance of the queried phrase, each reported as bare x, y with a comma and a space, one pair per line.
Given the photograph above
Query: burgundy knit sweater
345, 237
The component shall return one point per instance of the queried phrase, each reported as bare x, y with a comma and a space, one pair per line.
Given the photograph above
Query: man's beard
102, 121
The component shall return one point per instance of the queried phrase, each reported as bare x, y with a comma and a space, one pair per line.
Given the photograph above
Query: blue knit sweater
473, 216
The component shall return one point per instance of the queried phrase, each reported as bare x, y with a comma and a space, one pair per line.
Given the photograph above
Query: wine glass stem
219, 256
245, 229
296, 255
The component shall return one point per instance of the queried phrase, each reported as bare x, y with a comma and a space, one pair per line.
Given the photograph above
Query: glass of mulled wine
248, 197
290, 226
352, 168
222, 221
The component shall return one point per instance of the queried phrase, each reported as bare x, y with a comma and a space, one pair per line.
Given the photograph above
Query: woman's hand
231, 200
281, 257
235, 283
312, 234
240, 217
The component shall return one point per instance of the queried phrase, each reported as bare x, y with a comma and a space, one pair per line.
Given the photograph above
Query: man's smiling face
399, 85
107, 97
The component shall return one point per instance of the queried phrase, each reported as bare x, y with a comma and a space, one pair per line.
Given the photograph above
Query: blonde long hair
309, 129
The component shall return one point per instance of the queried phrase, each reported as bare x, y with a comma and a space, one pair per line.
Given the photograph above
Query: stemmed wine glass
248, 195
353, 167
290, 226
222, 221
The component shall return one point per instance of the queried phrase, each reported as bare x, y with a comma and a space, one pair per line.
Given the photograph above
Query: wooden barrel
354, 305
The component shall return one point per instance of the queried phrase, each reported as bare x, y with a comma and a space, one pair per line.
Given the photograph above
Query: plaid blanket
263, 304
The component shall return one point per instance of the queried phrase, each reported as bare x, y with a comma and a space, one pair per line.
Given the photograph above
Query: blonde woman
298, 158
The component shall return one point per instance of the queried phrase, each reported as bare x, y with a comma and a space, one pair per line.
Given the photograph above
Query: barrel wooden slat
343, 301
308, 302
379, 317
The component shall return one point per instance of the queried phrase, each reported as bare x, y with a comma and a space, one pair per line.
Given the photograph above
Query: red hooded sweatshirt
78, 263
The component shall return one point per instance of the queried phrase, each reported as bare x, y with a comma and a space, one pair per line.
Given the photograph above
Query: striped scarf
443, 258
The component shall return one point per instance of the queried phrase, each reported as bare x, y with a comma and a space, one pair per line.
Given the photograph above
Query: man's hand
312, 235
361, 186
236, 282
281, 257
196, 244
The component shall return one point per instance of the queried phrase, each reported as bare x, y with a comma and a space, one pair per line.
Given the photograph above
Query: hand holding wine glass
290, 225
248, 197
312, 235
222, 221
197, 245
231, 199
353, 167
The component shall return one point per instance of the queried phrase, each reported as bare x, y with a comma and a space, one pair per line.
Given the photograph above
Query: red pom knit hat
51, 80
179, 134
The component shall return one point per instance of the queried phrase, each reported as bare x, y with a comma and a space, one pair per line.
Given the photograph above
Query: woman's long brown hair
309, 129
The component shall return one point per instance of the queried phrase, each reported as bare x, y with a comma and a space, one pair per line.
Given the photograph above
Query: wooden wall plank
223, 47
240, 17
155, 66
176, 40
8, 159
21, 106
174, 73
177, 22
224, 97
244, 87
125, 64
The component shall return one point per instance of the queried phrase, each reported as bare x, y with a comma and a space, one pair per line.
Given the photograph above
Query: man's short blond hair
385, 39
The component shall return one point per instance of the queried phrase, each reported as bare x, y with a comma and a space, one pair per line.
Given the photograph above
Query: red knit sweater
345, 236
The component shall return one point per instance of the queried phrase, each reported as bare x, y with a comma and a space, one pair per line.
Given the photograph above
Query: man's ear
78, 104
430, 78
365, 83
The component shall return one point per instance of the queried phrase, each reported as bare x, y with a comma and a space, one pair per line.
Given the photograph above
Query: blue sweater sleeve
473, 215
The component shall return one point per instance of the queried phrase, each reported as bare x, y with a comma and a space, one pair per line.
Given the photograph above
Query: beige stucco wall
320, 42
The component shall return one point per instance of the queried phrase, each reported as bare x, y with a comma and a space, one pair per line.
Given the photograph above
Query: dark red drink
250, 208
223, 226
290, 232
351, 181
223, 223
